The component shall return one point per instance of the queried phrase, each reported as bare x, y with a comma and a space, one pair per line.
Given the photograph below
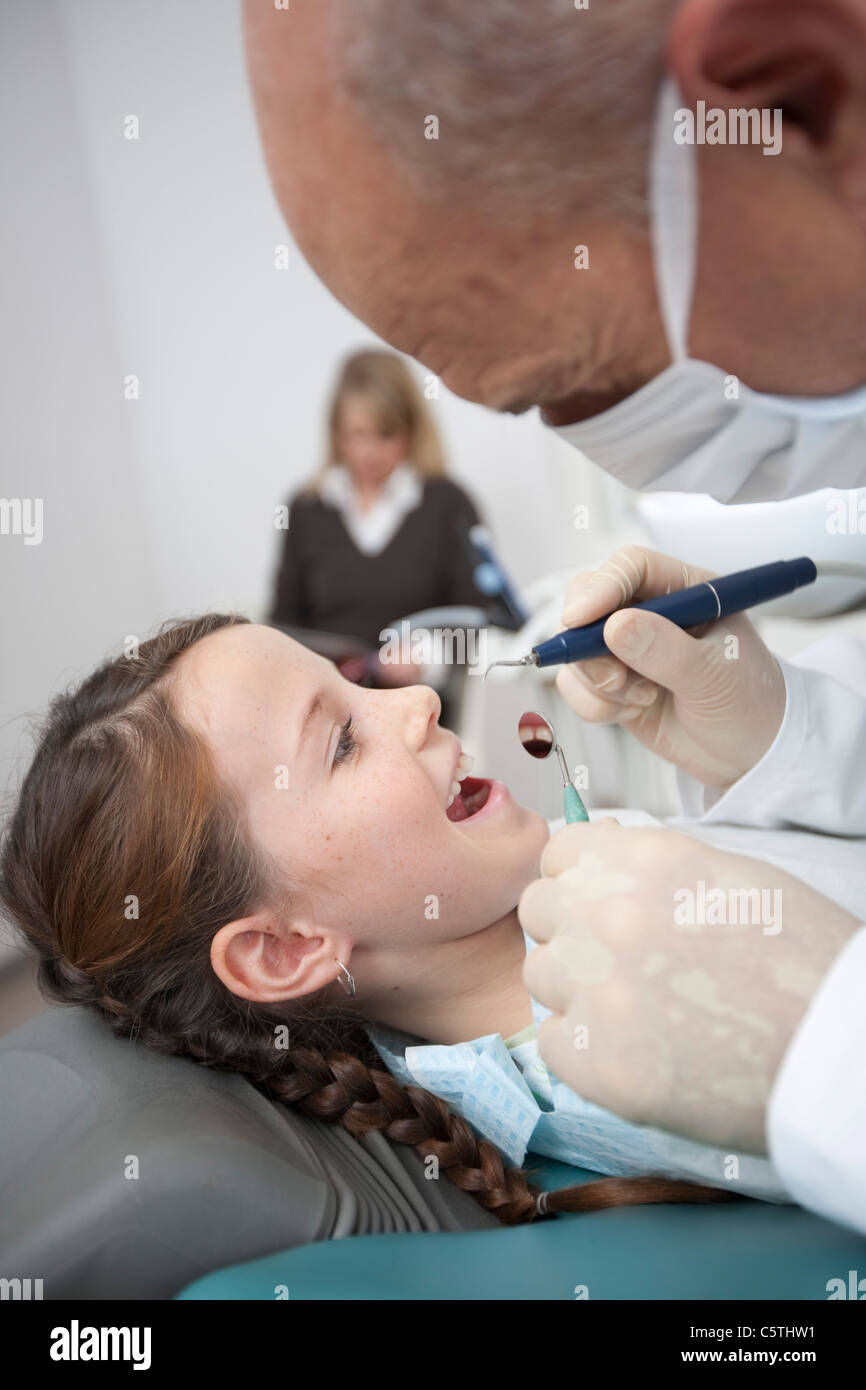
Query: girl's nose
423, 708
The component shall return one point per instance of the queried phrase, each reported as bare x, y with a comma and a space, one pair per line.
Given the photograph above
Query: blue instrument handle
702, 603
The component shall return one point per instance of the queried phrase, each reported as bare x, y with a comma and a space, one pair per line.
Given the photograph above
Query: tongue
475, 790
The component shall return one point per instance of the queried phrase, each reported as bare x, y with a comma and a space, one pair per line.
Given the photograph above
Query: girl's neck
461, 990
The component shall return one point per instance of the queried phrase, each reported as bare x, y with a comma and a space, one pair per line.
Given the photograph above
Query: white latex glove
711, 704
681, 1027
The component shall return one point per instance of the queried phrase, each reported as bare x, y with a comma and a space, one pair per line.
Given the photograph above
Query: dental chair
128, 1175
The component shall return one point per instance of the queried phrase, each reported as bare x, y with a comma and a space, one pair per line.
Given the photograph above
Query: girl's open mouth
474, 792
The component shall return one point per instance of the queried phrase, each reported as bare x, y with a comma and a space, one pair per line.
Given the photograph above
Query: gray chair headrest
127, 1174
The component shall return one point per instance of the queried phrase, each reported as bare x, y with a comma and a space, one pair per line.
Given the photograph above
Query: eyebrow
309, 714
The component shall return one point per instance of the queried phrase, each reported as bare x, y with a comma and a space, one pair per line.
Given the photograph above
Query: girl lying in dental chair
229, 851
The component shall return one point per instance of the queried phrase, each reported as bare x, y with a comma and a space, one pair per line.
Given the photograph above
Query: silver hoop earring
348, 983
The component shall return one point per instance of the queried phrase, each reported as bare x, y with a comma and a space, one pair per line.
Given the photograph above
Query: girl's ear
258, 959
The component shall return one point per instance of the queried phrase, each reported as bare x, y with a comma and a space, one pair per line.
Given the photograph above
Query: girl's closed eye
348, 743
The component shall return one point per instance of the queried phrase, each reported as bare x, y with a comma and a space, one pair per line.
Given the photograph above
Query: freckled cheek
404, 810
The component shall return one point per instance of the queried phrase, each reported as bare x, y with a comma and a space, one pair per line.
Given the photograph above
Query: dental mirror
538, 737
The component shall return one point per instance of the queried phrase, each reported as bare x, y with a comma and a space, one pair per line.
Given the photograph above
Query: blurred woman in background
379, 533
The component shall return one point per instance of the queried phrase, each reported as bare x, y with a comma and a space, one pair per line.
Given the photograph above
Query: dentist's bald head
438, 164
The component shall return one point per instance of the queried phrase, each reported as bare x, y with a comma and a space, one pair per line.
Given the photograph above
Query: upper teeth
535, 735
464, 767
465, 763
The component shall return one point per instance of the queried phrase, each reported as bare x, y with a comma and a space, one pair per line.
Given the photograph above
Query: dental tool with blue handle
701, 603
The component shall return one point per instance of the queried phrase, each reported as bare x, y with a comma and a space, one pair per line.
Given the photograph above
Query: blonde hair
397, 405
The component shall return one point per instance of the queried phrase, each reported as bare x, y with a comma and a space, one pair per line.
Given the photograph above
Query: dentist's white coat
683, 432
814, 777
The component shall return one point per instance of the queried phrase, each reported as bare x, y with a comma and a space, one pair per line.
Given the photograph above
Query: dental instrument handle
701, 603
574, 807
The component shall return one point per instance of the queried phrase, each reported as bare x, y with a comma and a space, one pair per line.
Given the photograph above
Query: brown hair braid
123, 799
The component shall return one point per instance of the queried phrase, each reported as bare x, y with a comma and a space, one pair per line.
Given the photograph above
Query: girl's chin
537, 824
528, 845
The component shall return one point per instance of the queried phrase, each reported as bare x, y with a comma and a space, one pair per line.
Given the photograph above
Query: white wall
67, 437
155, 257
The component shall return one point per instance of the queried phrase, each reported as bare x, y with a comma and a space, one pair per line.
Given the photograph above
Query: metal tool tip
524, 661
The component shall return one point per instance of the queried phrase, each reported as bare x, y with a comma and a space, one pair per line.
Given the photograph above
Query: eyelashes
348, 743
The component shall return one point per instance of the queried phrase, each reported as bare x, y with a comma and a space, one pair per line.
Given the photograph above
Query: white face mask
695, 428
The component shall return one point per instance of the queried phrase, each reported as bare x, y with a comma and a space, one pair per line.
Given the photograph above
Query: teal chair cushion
749, 1250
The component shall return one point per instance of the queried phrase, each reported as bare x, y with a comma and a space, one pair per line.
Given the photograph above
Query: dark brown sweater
325, 582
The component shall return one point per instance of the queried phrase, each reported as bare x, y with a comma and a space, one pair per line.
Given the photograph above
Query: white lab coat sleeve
816, 1117
813, 774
